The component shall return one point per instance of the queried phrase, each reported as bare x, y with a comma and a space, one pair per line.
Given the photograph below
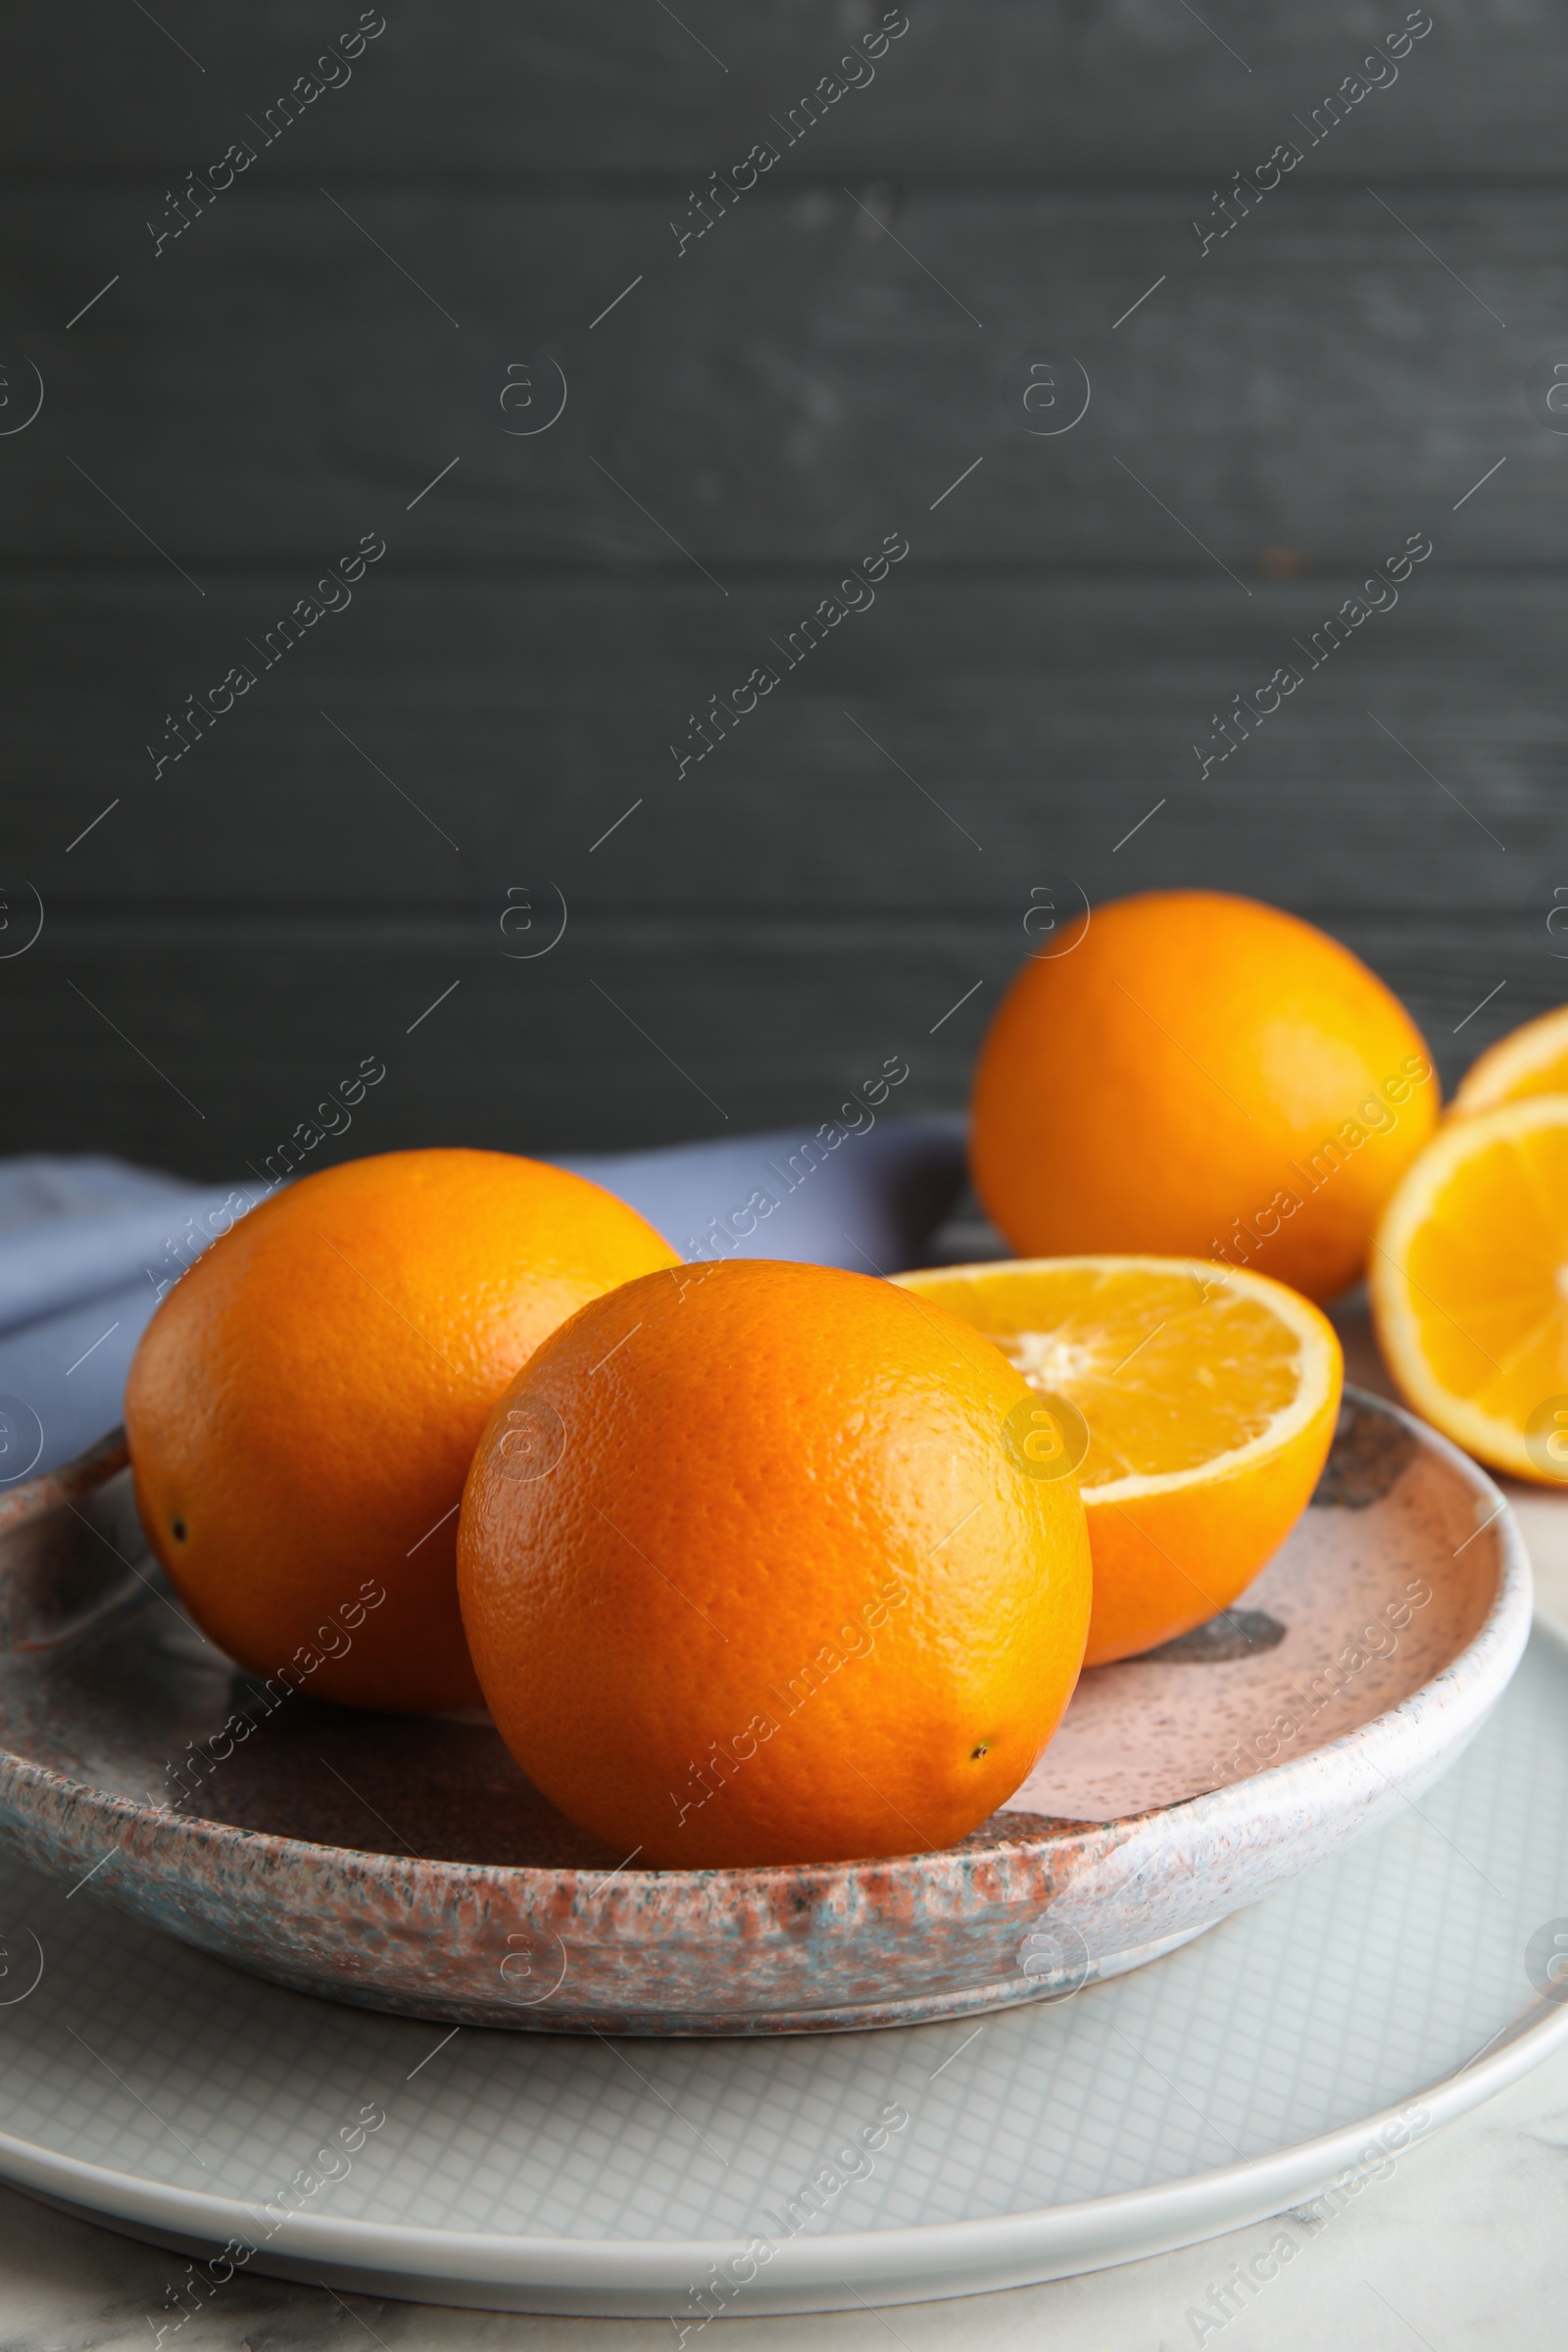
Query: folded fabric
88, 1246
71, 1229
864, 1197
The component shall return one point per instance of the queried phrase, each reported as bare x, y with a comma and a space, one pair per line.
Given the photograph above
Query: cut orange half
1529, 1061
1195, 1404
1469, 1281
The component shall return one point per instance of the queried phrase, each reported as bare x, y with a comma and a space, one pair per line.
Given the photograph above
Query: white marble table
1464, 2245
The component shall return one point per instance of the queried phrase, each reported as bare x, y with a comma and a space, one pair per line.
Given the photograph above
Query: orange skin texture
1169, 1562
763, 1468
306, 1399
1149, 1091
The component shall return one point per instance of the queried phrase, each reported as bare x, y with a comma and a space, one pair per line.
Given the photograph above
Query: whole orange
753, 1570
303, 1406
1195, 1074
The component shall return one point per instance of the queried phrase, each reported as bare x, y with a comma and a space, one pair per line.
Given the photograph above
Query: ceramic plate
406, 1865
1278, 2065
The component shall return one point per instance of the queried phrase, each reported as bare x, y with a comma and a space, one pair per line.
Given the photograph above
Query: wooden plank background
842, 357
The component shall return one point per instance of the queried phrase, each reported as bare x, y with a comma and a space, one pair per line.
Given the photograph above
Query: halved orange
1195, 1403
1532, 1059
1469, 1283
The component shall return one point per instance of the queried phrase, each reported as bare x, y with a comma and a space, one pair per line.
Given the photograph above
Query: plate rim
907, 2264
910, 2263
1472, 1681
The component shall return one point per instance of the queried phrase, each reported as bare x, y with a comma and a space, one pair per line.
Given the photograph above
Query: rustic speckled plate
407, 1866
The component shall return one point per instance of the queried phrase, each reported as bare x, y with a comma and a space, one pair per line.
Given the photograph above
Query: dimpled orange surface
1195, 1074
753, 1572
304, 1405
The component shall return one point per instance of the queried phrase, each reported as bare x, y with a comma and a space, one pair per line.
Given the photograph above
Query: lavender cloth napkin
88, 1246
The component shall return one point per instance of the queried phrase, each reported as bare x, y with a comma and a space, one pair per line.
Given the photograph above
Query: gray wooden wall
1291, 404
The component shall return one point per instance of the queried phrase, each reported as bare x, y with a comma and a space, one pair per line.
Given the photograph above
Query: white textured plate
1353, 2011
